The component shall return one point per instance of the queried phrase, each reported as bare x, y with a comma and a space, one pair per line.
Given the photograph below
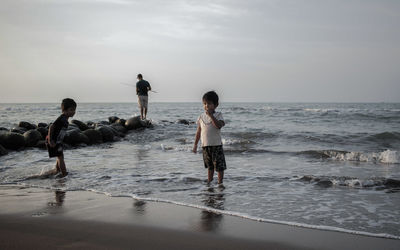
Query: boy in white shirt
209, 126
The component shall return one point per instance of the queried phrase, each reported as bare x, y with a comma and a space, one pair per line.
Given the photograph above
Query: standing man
142, 87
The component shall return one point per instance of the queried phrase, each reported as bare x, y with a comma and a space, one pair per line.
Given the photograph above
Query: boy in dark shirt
56, 135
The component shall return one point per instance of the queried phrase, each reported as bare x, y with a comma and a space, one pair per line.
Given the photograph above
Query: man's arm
197, 138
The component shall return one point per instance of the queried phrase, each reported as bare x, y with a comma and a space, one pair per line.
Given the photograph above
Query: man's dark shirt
142, 87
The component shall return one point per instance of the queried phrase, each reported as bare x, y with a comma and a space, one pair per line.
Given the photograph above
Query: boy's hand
194, 149
50, 142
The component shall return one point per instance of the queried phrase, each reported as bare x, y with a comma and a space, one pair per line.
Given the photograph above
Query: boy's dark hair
68, 103
211, 96
139, 76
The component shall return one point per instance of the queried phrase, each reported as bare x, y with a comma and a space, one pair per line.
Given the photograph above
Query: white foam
388, 156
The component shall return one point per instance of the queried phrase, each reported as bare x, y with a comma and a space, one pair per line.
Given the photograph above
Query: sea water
333, 166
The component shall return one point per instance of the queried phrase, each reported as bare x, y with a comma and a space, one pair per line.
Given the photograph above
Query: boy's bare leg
145, 113
141, 113
220, 177
210, 175
61, 164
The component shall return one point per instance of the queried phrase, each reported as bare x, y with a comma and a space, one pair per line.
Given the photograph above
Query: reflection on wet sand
59, 199
139, 207
214, 198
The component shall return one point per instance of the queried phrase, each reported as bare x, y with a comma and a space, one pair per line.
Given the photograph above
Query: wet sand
33, 218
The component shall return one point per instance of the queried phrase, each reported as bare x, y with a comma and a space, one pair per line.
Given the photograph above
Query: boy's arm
51, 143
217, 123
197, 139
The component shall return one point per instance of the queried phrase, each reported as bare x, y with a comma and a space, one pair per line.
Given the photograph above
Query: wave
387, 156
380, 183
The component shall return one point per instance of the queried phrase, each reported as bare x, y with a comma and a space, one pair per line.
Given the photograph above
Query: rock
91, 125
73, 126
11, 140
42, 125
106, 133
3, 129
41, 144
146, 124
121, 122
94, 136
118, 127
19, 130
324, 183
32, 137
112, 119
104, 123
133, 123
27, 125
183, 121
43, 131
74, 137
82, 126
3, 151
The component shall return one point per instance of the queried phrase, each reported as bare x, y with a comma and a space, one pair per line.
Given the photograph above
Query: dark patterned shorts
214, 158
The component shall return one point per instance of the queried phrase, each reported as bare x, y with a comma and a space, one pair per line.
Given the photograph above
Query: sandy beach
33, 218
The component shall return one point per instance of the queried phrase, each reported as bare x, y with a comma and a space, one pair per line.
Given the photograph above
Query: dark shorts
56, 151
214, 158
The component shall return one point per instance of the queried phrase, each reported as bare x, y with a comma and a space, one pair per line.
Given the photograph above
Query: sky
247, 51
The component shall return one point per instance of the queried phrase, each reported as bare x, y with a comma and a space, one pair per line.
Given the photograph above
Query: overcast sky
269, 51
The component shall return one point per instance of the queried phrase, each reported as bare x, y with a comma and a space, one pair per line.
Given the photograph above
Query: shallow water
333, 166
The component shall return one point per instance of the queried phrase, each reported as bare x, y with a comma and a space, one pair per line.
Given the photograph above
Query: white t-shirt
210, 135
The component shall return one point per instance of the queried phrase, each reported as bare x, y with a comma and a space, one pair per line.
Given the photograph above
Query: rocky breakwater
27, 135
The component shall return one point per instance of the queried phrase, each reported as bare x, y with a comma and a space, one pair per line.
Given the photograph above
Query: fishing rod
131, 85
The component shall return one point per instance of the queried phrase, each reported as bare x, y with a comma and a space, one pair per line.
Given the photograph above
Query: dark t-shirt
60, 126
142, 87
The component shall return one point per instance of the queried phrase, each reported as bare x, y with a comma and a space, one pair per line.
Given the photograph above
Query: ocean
332, 166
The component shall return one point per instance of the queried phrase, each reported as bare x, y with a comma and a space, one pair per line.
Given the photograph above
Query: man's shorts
143, 101
214, 158
56, 151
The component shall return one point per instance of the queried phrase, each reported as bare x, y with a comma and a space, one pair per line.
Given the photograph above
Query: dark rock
3, 151
19, 130
43, 131
94, 136
42, 125
324, 183
121, 122
74, 137
112, 119
11, 140
133, 123
106, 133
27, 125
183, 121
104, 123
308, 178
32, 137
73, 126
392, 183
118, 127
146, 124
3, 129
91, 125
82, 126
41, 144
